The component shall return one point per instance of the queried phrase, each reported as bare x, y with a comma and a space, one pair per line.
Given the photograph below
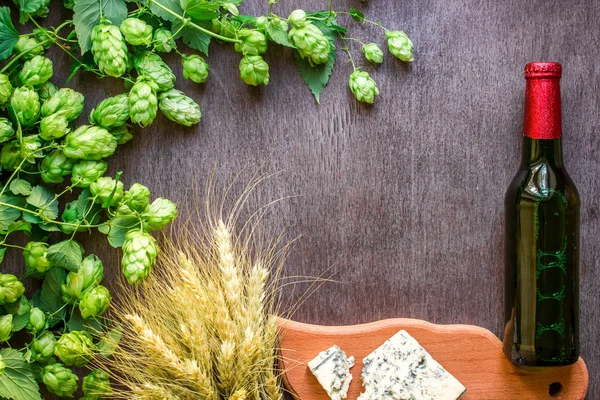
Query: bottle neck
536, 151
542, 107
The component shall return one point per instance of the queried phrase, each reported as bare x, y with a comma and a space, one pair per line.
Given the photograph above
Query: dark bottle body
542, 256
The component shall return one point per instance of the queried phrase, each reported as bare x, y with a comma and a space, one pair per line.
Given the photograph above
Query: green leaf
50, 297
30, 6
67, 254
20, 186
87, 14
357, 15
8, 214
118, 228
36, 299
8, 34
277, 34
18, 381
172, 5
19, 321
194, 38
200, 10
78, 323
43, 199
19, 226
110, 341
2, 252
315, 77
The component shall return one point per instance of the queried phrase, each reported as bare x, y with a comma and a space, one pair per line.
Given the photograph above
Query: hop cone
37, 320
92, 271
297, 18
253, 42
36, 71
46, 90
178, 107
137, 197
109, 49
363, 87
54, 126
112, 112
96, 385
55, 166
90, 143
136, 32
310, 42
87, 172
373, 53
65, 101
19, 307
59, 380
160, 214
7, 131
139, 255
42, 348
254, 70
123, 133
143, 103
29, 46
30, 146
74, 348
400, 45
152, 65
6, 327
35, 256
26, 105
163, 40
6, 89
10, 157
195, 68
108, 191
95, 302
10, 289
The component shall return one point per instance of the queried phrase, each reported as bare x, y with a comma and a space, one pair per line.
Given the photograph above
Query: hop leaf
10, 289
89, 143
95, 302
163, 40
25, 103
400, 45
109, 49
136, 32
254, 70
6, 89
195, 68
363, 87
152, 65
64, 101
178, 107
59, 380
143, 102
36, 71
112, 112
87, 172
160, 214
139, 256
373, 53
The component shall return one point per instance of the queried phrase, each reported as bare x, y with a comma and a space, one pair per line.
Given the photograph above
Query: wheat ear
149, 391
231, 275
225, 367
239, 394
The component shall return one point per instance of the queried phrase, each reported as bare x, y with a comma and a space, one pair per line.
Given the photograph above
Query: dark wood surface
404, 199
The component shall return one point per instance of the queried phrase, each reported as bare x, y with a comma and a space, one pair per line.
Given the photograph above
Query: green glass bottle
542, 236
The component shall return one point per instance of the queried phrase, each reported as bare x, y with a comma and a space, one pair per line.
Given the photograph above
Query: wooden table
403, 199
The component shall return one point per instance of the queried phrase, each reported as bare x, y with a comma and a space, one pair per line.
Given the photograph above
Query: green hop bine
195, 68
150, 64
112, 112
36, 71
139, 256
107, 191
310, 42
96, 385
74, 348
64, 101
95, 302
363, 87
55, 167
109, 49
163, 40
373, 53
6, 89
25, 103
179, 108
143, 103
35, 257
10, 289
59, 380
90, 143
87, 172
400, 45
29, 47
136, 32
46, 90
42, 348
254, 70
7, 131
6, 327
253, 42
37, 321
137, 197
54, 126
159, 214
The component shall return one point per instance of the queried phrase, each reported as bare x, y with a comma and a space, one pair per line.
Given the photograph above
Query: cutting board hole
555, 389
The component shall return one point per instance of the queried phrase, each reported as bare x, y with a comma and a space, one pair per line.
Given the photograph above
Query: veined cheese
400, 369
332, 369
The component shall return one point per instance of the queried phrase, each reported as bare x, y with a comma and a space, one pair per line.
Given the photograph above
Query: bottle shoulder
540, 182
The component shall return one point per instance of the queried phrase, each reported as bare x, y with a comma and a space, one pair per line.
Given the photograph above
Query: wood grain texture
471, 354
404, 199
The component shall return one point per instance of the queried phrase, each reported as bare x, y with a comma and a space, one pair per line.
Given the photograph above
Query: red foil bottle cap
542, 101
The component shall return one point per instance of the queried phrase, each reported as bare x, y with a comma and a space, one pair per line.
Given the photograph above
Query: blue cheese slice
332, 369
400, 369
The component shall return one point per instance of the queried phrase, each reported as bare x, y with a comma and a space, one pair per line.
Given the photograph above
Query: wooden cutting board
470, 353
